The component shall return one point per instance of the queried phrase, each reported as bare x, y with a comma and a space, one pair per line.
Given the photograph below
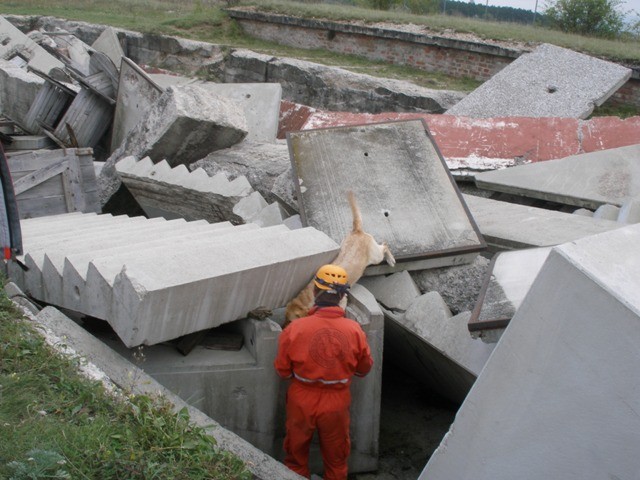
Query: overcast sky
531, 4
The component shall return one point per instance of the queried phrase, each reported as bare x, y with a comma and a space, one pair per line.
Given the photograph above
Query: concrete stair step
154, 301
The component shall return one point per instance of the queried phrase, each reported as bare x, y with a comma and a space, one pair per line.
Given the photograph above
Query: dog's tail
355, 211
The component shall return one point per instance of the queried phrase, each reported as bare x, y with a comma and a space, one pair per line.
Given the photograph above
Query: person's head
331, 283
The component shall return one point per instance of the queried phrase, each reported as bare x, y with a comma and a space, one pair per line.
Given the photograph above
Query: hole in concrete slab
248, 95
76, 292
552, 89
5, 41
386, 213
366, 154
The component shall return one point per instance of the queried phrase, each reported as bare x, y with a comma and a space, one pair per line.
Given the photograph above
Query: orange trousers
311, 408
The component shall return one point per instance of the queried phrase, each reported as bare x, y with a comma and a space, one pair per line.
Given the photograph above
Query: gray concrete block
74, 273
137, 93
607, 212
391, 162
109, 44
176, 192
19, 90
458, 285
260, 103
630, 211
17, 43
585, 212
174, 129
508, 226
565, 371
395, 292
96, 294
435, 347
132, 236
261, 163
30, 142
506, 284
587, 180
213, 287
549, 82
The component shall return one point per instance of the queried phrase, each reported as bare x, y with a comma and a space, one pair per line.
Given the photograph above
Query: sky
531, 4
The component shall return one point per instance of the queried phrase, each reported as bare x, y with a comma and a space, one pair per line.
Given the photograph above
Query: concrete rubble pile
530, 259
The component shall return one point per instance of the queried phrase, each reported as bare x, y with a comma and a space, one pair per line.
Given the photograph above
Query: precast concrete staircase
154, 280
196, 195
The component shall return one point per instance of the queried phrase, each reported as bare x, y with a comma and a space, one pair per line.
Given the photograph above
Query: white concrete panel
559, 397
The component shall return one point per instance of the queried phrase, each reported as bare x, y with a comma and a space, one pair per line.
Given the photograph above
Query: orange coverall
321, 353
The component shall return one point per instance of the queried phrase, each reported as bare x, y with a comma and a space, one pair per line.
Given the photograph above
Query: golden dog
357, 251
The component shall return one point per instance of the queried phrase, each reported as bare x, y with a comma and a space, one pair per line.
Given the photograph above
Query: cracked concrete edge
121, 376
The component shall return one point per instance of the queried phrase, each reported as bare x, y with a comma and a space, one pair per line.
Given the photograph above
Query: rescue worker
320, 353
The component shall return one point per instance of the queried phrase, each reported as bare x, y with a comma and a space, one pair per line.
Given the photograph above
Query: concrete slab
404, 190
395, 292
458, 285
109, 44
16, 44
630, 212
137, 93
260, 103
76, 265
136, 233
508, 280
71, 50
175, 128
587, 180
96, 294
213, 290
549, 82
176, 192
435, 347
30, 142
565, 371
19, 90
509, 226
525, 139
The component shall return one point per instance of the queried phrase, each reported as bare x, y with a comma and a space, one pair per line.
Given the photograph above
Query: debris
558, 384
387, 166
506, 283
548, 82
195, 195
586, 180
509, 226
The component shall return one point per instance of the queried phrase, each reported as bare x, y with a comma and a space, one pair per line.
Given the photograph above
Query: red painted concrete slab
609, 132
523, 138
292, 117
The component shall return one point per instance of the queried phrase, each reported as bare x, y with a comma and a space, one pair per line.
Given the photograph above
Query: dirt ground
413, 421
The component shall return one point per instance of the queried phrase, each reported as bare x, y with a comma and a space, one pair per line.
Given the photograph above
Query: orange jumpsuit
321, 353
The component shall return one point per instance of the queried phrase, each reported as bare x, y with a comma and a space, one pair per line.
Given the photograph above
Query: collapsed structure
199, 224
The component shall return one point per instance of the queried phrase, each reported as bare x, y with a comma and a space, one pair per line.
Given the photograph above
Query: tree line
599, 18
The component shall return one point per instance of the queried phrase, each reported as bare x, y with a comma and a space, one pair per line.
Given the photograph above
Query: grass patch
55, 423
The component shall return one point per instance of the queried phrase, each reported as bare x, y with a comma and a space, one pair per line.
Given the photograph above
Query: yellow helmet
331, 277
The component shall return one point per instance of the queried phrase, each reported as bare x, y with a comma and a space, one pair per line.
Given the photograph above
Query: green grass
55, 423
